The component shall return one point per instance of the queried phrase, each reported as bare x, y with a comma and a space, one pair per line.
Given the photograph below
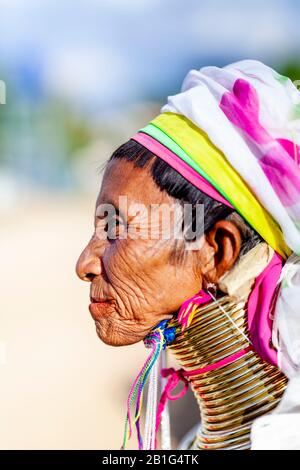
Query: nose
89, 263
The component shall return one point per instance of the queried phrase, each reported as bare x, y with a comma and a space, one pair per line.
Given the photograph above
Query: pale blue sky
111, 51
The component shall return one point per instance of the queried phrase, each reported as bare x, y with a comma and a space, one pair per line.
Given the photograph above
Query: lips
98, 301
98, 307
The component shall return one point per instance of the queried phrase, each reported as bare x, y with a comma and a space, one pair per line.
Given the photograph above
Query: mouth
95, 300
98, 306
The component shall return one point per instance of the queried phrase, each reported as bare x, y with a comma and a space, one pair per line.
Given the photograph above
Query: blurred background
81, 76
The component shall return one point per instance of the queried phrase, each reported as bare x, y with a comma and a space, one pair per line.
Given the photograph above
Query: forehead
122, 178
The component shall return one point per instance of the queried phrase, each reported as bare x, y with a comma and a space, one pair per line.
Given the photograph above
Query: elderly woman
219, 285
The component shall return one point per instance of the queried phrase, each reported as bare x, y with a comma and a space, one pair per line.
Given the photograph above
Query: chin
111, 337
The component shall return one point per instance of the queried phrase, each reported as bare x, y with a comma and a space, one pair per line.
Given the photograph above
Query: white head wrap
252, 114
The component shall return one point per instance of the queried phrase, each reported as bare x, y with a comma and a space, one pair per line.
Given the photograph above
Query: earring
211, 288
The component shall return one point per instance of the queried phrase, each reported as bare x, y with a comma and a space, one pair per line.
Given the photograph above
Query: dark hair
176, 186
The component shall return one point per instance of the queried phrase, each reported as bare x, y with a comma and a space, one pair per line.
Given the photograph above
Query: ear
225, 240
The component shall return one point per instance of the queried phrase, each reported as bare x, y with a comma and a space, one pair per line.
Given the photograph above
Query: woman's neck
230, 397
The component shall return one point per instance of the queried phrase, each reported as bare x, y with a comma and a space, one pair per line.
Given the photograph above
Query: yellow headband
192, 145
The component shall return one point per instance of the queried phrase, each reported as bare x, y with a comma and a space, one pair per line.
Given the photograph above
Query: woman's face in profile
136, 281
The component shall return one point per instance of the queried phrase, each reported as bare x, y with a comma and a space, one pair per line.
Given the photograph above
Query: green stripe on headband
159, 135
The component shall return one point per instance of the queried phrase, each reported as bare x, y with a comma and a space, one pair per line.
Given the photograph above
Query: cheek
133, 274
126, 272
121, 263
145, 281
175, 285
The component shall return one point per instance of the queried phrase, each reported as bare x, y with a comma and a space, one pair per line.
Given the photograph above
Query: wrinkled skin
136, 283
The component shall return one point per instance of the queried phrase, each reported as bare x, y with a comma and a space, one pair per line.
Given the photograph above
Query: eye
114, 228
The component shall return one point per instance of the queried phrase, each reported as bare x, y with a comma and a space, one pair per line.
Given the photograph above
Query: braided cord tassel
136, 394
165, 417
150, 425
157, 340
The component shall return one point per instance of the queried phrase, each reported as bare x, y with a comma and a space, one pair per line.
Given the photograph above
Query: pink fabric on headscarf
259, 306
